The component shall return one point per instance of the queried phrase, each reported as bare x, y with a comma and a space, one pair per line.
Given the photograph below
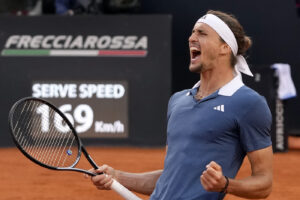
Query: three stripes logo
220, 108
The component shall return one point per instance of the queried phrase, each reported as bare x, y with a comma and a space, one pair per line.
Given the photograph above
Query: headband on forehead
227, 35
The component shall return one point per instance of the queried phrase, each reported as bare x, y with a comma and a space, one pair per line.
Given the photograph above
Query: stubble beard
196, 69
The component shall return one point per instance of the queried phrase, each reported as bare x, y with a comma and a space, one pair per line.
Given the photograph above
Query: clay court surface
20, 179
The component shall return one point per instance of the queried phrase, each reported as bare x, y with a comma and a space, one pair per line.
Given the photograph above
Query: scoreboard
96, 109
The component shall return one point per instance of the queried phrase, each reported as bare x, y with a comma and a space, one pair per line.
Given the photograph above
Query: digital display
95, 108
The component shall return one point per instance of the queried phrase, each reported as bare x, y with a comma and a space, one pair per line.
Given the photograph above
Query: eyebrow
199, 30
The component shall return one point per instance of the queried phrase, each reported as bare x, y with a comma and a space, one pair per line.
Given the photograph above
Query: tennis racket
45, 136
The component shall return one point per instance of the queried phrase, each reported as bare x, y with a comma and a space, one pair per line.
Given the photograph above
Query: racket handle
124, 192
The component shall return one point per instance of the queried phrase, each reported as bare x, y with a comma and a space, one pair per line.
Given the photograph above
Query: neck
214, 79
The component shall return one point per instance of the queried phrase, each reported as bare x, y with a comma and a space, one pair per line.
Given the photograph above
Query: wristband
224, 190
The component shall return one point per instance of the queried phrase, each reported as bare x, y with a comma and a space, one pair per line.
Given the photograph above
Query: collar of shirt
228, 89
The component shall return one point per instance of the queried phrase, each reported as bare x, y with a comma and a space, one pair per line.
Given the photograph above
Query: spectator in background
74, 7
26, 7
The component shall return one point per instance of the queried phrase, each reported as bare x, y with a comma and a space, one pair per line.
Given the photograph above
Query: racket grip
122, 191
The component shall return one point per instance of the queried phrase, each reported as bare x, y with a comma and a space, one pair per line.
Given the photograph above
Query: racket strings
53, 152
46, 156
34, 129
25, 115
44, 134
64, 147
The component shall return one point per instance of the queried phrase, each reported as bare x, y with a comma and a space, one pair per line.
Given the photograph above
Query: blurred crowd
74, 7
67, 7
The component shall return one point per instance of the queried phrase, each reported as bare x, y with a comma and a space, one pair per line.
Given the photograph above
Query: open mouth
195, 53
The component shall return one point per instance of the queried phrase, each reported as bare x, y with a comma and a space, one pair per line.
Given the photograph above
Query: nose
192, 38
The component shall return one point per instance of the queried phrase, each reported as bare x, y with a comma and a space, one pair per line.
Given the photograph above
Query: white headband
227, 35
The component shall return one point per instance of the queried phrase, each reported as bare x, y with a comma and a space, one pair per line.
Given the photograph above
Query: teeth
194, 49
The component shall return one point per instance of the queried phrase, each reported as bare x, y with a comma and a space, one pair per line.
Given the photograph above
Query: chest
202, 122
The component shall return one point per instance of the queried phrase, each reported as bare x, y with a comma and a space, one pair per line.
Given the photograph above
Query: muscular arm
258, 185
143, 183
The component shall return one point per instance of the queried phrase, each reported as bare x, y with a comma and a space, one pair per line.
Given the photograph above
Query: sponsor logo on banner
78, 45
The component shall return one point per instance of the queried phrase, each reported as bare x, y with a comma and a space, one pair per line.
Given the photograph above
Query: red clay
20, 179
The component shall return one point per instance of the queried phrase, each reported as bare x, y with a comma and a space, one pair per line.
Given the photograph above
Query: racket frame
81, 148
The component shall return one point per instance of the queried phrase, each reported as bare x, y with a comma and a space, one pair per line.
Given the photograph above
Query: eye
202, 33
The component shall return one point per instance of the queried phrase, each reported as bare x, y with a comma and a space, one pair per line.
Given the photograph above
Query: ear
225, 49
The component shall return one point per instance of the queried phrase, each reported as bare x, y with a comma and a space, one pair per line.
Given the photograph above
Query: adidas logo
220, 108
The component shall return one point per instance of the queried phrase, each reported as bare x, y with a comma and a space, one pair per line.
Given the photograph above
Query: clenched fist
212, 179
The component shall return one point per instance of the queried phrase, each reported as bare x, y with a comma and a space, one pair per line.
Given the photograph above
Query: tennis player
211, 127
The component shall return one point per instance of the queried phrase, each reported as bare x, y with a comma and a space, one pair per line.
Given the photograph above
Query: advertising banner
110, 75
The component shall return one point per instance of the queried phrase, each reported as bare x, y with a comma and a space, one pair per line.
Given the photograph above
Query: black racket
45, 136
